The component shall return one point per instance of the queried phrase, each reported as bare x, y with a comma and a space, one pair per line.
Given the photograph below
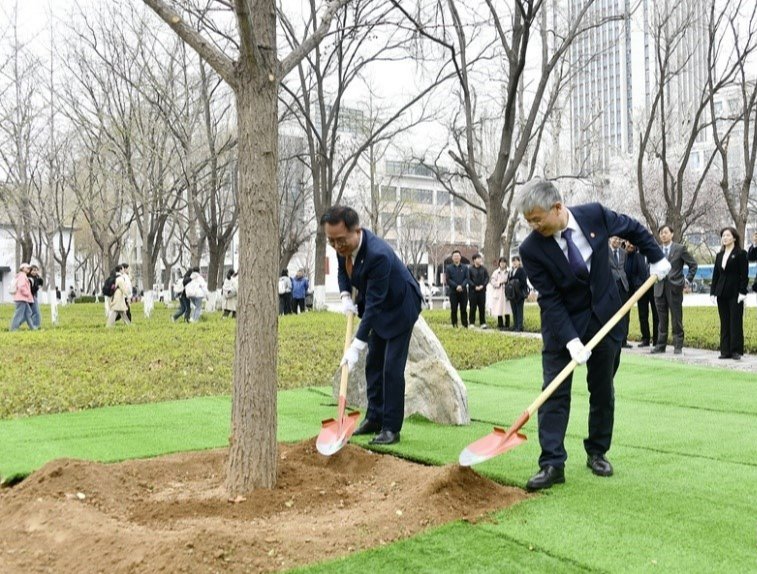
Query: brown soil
170, 514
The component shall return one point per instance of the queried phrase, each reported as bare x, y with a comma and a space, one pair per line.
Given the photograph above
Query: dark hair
341, 214
285, 272
664, 225
736, 237
458, 252
116, 269
501, 259
124, 265
516, 257
229, 274
476, 256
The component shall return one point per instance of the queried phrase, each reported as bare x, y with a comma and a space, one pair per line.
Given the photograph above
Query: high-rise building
615, 73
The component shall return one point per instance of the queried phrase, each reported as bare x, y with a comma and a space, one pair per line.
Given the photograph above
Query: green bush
79, 364
85, 299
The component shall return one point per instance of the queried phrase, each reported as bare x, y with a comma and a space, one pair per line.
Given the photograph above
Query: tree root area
172, 514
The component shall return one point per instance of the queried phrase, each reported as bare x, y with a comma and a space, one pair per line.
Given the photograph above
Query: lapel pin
592, 235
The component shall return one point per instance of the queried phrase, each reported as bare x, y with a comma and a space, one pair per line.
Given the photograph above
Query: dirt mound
171, 514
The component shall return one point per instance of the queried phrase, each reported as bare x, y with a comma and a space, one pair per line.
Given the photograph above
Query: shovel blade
489, 446
335, 433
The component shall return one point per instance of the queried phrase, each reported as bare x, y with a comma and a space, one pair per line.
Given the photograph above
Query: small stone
219, 553
398, 513
289, 503
81, 495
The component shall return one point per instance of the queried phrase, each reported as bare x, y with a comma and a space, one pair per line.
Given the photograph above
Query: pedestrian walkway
700, 357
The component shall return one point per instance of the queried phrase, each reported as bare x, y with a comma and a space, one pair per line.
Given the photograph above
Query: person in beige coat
229, 294
500, 306
118, 305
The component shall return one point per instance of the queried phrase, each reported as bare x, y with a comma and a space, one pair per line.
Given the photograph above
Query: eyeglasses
338, 241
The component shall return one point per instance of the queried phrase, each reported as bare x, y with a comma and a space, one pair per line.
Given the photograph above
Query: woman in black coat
730, 278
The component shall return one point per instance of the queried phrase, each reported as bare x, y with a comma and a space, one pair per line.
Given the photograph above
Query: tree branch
219, 61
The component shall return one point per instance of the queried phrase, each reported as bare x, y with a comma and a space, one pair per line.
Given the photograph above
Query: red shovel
501, 440
336, 432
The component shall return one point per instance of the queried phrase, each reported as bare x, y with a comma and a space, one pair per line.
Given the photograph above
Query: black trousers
626, 320
477, 301
385, 379
731, 326
672, 301
644, 305
298, 304
517, 307
554, 413
458, 299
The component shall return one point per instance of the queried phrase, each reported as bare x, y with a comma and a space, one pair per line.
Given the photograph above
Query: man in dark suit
617, 267
752, 253
519, 281
637, 271
668, 293
388, 303
458, 279
567, 260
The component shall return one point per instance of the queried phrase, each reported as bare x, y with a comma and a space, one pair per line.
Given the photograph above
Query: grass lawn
80, 365
682, 499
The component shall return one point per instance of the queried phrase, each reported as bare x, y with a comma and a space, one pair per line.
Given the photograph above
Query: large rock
432, 386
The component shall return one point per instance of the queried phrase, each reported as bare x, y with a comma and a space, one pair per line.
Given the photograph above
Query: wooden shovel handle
570, 367
345, 368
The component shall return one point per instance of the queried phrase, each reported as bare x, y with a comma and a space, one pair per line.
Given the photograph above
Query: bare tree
525, 35
679, 113
19, 130
736, 115
296, 219
337, 133
254, 74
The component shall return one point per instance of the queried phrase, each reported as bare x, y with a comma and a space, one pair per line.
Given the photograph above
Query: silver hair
537, 193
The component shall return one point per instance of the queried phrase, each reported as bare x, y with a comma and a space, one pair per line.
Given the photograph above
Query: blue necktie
576, 260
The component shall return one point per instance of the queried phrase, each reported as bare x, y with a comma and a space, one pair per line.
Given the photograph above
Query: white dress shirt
578, 238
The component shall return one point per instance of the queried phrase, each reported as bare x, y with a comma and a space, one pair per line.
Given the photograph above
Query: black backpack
511, 289
109, 287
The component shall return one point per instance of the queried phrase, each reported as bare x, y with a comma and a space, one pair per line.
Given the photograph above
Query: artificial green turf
682, 499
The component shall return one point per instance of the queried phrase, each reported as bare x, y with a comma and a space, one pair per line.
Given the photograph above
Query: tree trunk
253, 448
496, 222
320, 255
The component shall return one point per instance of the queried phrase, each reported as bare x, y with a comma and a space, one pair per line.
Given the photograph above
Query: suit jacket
522, 277
567, 303
389, 297
752, 254
457, 276
637, 270
678, 255
732, 280
618, 268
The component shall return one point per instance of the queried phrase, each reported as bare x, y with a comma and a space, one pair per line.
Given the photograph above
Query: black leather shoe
599, 465
736, 357
678, 351
725, 357
657, 349
626, 346
545, 478
644, 344
386, 437
367, 427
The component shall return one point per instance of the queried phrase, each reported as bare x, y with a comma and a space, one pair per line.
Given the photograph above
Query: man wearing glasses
388, 304
567, 260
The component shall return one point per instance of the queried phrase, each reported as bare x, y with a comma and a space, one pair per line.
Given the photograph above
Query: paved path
691, 356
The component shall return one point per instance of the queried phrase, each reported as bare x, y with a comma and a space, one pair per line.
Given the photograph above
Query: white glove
348, 305
661, 268
352, 354
741, 298
578, 352
713, 300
